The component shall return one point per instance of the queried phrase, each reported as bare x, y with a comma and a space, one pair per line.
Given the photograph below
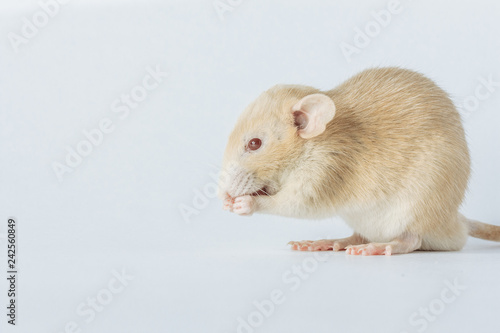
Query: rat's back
409, 150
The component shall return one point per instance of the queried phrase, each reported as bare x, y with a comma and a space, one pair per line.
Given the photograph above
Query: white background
120, 208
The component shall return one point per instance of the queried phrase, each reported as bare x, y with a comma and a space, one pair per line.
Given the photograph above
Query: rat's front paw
244, 205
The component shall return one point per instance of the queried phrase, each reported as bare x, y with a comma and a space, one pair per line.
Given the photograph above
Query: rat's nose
227, 177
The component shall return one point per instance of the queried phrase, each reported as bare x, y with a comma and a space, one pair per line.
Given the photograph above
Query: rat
385, 151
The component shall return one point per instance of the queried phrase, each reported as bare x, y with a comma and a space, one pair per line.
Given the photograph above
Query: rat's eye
254, 144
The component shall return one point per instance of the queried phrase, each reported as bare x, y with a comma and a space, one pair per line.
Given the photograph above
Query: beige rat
385, 151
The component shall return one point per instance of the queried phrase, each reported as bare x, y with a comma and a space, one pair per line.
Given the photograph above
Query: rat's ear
312, 113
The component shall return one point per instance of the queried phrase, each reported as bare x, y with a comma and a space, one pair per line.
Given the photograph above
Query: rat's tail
483, 230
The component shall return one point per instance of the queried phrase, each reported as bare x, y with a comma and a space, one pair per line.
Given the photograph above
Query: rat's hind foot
404, 244
370, 249
327, 244
309, 245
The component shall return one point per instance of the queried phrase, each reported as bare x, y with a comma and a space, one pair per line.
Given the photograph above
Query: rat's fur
392, 162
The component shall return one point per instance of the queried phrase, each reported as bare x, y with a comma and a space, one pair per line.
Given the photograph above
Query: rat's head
269, 137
